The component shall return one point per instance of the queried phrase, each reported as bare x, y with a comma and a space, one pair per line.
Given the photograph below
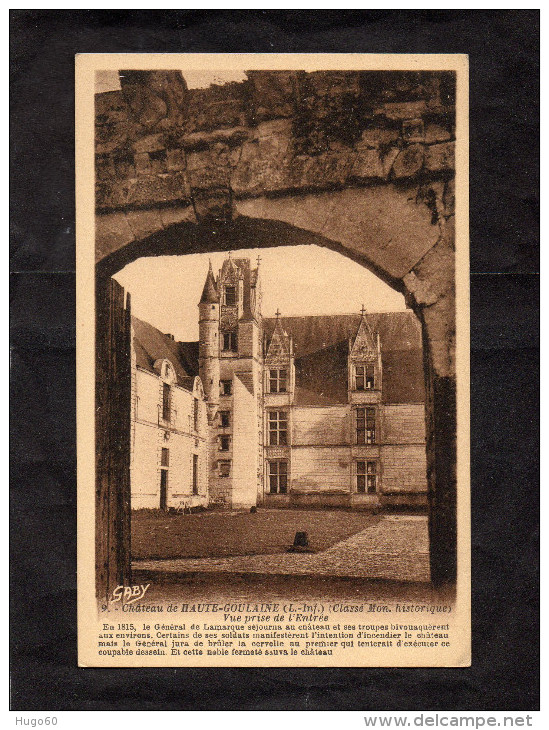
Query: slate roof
151, 345
321, 349
209, 293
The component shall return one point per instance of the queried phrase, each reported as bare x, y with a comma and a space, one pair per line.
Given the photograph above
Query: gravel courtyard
159, 535
390, 547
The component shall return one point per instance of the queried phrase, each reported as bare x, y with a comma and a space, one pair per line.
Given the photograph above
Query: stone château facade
299, 411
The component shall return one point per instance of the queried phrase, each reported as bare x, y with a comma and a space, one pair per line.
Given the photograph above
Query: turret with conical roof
209, 293
208, 348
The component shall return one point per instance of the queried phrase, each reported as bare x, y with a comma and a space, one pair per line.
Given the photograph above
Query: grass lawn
157, 535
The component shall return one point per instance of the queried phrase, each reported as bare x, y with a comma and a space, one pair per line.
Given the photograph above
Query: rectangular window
365, 425
364, 377
196, 413
164, 463
166, 401
366, 477
278, 477
278, 428
195, 473
226, 387
224, 443
224, 468
278, 381
230, 296
225, 418
229, 342
163, 488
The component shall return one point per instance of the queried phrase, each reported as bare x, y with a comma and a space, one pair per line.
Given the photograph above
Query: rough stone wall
158, 142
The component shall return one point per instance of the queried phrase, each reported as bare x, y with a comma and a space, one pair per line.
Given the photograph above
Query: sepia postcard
273, 360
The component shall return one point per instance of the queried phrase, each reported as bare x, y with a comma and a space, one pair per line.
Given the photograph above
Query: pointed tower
236, 445
364, 364
208, 349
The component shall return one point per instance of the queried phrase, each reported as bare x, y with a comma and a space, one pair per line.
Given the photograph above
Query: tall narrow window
224, 468
225, 418
230, 296
229, 342
278, 428
195, 473
166, 401
366, 426
278, 381
224, 443
364, 377
278, 477
196, 413
164, 464
226, 387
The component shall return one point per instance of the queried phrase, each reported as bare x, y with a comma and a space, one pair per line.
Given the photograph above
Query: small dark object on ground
301, 544
253, 510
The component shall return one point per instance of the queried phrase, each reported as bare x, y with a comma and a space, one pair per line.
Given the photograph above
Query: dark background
503, 48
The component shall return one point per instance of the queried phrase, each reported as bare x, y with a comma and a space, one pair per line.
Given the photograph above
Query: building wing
321, 345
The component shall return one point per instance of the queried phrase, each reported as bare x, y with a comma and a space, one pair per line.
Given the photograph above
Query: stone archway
383, 198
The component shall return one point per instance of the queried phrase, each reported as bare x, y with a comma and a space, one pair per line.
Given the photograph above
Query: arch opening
245, 233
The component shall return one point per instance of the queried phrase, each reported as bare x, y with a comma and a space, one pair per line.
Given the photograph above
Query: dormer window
230, 296
278, 380
364, 377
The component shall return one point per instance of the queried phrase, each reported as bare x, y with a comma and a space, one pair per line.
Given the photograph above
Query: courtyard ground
390, 547
157, 535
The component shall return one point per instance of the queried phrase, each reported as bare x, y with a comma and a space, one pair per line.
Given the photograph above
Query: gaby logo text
129, 594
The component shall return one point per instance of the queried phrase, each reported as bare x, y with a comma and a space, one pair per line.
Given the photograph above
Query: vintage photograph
273, 360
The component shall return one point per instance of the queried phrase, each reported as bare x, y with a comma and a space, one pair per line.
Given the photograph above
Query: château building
282, 411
